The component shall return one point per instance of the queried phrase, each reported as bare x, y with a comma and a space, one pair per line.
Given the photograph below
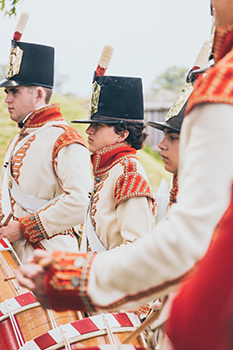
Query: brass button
75, 281
10, 183
79, 262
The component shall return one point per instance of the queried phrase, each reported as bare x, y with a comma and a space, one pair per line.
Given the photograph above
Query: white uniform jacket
122, 204
53, 164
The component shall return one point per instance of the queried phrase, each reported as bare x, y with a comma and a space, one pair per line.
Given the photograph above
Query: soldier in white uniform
122, 203
46, 174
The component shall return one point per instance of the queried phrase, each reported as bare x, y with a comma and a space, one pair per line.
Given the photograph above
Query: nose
162, 145
90, 129
8, 98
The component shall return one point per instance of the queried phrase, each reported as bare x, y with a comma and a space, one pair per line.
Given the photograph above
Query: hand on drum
11, 231
31, 276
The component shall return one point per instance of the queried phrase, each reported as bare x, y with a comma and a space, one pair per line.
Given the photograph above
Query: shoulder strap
27, 201
90, 236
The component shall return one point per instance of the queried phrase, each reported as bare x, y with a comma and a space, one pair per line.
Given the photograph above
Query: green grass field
73, 108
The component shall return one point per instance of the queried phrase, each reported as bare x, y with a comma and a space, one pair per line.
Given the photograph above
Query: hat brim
90, 121
12, 83
106, 120
161, 126
8, 83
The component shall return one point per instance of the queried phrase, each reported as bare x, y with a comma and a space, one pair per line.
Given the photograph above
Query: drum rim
80, 337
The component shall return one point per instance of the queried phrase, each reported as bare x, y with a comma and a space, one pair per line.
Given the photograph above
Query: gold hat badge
16, 53
200, 63
103, 64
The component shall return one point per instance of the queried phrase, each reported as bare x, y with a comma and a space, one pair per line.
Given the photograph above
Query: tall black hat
29, 64
117, 99
114, 99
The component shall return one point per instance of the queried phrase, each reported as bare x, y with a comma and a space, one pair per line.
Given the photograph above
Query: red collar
107, 157
43, 115
174, 191
223, 41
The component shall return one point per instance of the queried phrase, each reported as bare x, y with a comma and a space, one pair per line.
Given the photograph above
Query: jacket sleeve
73, 172
135, 217
134, 202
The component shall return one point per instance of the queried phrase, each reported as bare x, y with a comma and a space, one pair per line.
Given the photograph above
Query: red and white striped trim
4, 244
17, 304
84, 329
114, 347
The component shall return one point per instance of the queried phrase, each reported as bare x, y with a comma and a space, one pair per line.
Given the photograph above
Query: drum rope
65, 339
80, 315
9, 274
51, 318
109, 331
13, 252
15, 327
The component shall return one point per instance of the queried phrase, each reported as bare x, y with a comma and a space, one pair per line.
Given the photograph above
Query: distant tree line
172, 79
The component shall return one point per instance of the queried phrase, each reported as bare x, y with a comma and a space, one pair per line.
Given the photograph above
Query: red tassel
17, 36
100, 71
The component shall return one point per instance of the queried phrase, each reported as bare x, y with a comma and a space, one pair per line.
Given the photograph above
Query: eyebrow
11, 89
169, 131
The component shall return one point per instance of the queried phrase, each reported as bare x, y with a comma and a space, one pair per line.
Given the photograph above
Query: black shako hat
174, 123
114, 100
30, 64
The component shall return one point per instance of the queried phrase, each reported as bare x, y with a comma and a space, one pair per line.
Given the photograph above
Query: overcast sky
148, 36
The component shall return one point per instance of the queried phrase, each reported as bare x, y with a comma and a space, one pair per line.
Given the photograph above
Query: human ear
39, 95
123, 135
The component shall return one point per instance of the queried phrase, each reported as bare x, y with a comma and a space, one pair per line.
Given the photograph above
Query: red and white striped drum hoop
94, 331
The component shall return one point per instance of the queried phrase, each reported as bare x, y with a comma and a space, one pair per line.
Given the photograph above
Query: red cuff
33, 229
66, 282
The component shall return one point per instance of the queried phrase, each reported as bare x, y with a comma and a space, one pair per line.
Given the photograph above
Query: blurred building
155, 111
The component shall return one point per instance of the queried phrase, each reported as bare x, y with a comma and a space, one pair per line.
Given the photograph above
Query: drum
21, 316
9, 261
94, 331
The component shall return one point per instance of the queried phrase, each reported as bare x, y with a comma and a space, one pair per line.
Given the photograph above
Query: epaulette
131, 184
69, 136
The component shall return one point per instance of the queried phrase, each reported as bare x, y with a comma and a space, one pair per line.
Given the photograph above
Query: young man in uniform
46, 173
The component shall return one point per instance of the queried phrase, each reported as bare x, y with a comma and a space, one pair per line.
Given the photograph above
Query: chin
92, 150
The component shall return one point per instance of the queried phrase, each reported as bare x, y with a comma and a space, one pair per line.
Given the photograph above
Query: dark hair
136, 136
48, 94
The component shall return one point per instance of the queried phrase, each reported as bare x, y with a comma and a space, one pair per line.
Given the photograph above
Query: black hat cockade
115, 99
29, 63
175, 115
